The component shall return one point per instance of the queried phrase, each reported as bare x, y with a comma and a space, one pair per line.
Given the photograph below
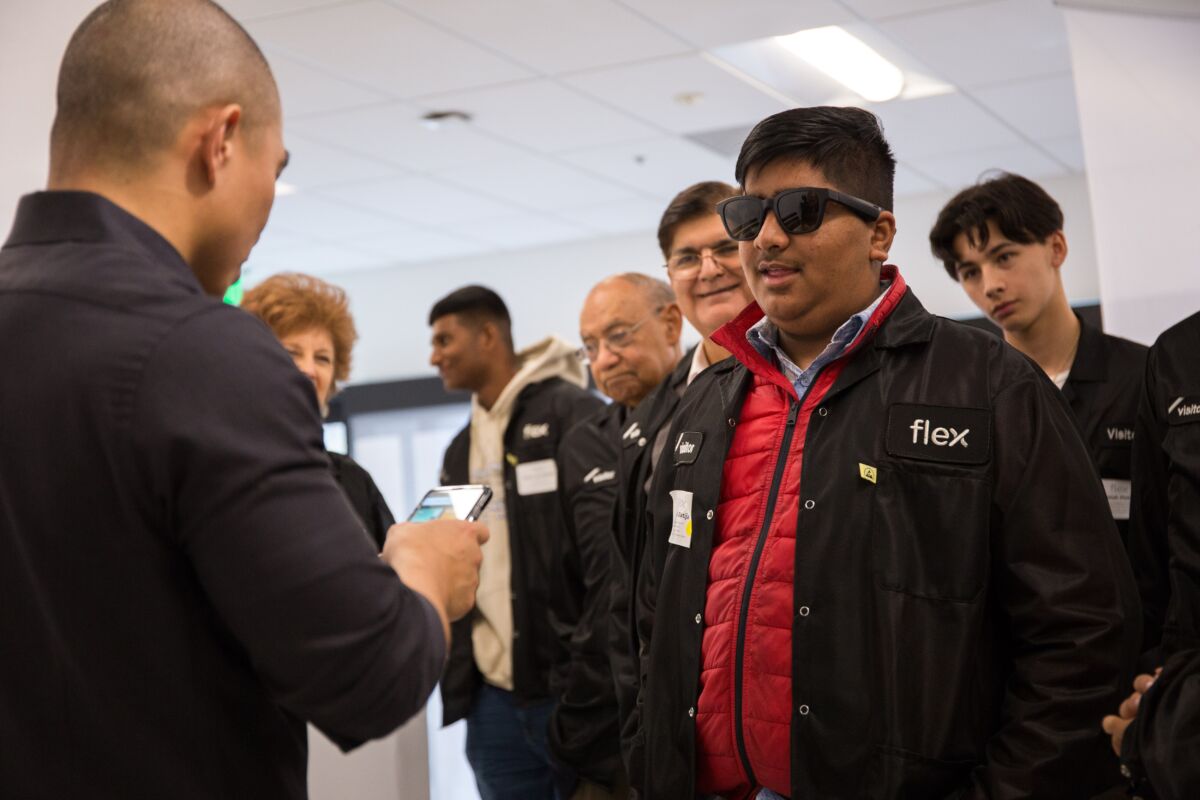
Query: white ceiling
578, 128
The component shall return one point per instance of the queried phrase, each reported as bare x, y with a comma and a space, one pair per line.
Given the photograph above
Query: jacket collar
1091, 356
86, 217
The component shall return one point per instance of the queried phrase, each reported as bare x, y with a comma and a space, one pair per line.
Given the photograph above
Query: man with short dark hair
1002, 240
878, 564
522, 403
630, 327
184, 583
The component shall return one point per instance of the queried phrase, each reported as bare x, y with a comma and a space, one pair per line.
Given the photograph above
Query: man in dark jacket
183, 582
522, 403
1159, 753
710, 288
630, 326
1003, 241
879, 564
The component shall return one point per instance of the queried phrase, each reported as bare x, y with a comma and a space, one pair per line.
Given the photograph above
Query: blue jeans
506, 746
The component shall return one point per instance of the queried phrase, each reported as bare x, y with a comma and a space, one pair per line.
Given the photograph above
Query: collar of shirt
699, 363
764, 336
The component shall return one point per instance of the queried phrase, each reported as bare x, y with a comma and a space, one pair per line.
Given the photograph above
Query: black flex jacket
584, 733
1103, 390
1161, 751
535, 523
1165, 523
970, 614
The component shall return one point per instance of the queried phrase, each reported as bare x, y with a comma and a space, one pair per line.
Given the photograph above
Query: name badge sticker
687, 448
681, 518
1184, 409
948, 434
1119, 494
537, 477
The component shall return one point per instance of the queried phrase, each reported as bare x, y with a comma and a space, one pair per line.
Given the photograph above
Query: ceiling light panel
848, 60
712, 23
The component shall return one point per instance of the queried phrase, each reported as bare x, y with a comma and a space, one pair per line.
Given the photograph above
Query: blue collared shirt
764, 336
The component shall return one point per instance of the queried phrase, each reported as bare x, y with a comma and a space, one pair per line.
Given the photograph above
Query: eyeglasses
615, 340
686, 263
798, 211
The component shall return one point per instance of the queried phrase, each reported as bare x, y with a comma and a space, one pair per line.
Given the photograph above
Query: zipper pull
793, 412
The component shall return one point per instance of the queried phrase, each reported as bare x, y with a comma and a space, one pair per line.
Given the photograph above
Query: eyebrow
991, 251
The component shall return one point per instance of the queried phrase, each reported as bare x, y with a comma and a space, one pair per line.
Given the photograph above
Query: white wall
545, 287
1135, 79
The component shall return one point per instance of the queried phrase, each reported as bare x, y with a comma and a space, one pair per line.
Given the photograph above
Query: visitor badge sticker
681, 518
1120, 495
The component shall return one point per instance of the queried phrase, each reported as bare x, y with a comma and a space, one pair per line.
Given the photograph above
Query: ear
1057, 242
487, 335
217, 140
673, 320
883, 233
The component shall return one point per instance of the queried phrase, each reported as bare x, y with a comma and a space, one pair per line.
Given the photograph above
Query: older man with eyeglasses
630, 326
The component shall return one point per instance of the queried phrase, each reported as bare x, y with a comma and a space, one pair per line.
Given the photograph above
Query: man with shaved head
184, 583
630, 326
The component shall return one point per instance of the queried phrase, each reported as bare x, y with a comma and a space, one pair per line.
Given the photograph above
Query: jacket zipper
740, 653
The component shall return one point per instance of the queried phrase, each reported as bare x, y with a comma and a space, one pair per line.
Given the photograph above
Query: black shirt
1102, 390
183, 581
364, 497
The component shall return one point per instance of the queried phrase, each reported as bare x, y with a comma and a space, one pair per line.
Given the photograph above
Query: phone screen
452, 502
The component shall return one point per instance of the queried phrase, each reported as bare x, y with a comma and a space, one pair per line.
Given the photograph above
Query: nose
435, 357
605, 358
710, 268
771, 237
308, 365
993, 282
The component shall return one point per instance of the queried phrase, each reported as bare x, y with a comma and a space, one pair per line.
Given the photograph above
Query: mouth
774, 273
723, 290
1004, 309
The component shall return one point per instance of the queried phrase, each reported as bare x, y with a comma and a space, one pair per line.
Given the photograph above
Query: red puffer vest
744, 712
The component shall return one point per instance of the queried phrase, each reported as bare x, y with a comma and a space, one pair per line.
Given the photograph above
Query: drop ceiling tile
319, 219
313, 258
312, 165
661, 167
960, 170
393, 133
1068, 150
531, 182
306, 90
884, 9
243, 10
909, 181
630, 216
552, 36
650, 91
709, 23
526, 230
932, 126
987, 43
381, 46
406, 244
543, 115
1042, 108
421, 201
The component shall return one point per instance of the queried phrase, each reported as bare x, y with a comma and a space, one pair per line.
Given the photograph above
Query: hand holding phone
452, 502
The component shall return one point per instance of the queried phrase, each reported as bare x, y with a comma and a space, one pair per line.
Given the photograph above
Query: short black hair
695, 202
475, 304
847, 144
1021, 209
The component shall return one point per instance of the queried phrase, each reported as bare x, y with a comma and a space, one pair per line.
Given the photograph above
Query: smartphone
452, 502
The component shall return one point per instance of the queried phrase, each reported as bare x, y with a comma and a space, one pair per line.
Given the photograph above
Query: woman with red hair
311, 319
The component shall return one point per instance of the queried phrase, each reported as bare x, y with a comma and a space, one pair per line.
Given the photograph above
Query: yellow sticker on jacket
681, 518
867, 472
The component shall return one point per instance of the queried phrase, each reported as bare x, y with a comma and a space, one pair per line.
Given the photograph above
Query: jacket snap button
642, 442
823, 411
804, 611
809, 504
697, 619
732, 422
692, 711
803, 711
709, 514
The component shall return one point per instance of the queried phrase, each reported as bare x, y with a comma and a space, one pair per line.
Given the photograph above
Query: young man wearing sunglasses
630, 327
879, 564
1003, 241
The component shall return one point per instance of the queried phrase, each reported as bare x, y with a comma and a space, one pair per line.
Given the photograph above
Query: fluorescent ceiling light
848, 61
284, 189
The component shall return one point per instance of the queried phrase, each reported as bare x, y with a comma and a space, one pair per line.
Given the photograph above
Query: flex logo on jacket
687, 447
536, 430
939, 433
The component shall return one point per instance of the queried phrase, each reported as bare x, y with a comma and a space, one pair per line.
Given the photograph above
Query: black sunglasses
798, 210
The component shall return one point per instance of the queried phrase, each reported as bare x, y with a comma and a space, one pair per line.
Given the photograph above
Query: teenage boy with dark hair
522, 403
1003, 240
878, 564
1160, 746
